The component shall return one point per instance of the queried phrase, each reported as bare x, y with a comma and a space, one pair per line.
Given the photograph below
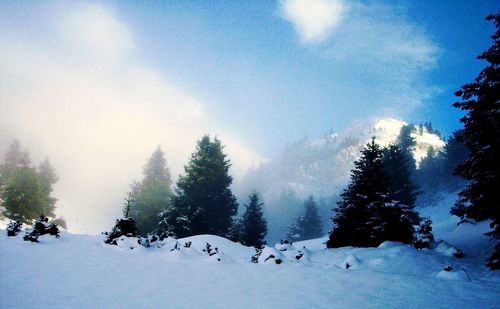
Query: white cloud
314, 20
379, 53
98, 113
95, 28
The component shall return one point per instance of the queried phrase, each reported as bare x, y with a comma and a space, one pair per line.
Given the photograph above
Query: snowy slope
80, 271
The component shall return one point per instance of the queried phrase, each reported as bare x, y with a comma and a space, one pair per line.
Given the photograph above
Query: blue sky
98, 85
250, 66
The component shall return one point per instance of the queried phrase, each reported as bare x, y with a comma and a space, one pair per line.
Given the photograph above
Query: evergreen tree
16, 157
406, 143
49, 176
24, 190
203, 202
481, 135
367, 214
253, 226
152, 195
308, 225
405, 140
25, 196
234, 233
399, 166
48, 173
430, 172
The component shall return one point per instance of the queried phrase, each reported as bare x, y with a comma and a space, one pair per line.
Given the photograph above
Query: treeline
202, 202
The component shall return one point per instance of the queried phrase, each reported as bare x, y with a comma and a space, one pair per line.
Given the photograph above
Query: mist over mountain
321, 167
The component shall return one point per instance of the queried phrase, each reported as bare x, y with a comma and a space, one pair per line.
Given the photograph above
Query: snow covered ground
80, 271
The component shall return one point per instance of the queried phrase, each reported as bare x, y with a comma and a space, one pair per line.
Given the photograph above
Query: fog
77, 93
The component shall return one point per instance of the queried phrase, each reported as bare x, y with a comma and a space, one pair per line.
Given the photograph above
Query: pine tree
399, 166
48, 173
253, 226
25, 196
203, 202
405, 140
16, 157
308, 225
454, 153
481, 135
367, 214
152, 195
430, 171
24, 190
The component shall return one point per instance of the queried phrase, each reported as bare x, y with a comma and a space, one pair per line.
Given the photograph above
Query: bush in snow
14, 228
42, 227
152, 240
123, 227
255, 257
423, 235
276, 260
211, 252
284, 245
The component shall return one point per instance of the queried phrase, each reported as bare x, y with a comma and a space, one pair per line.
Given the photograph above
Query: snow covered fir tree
252, 226
308, 225
203, 202
368, 214
480, 200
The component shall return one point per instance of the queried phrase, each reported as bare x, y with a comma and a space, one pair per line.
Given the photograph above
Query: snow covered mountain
322, 166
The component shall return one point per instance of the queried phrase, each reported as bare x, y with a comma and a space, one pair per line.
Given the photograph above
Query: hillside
320, 167
80, 271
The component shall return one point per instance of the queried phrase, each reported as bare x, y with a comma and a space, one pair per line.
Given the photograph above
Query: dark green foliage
253, 226
48, 173
41, 227
308, 225
203, 202
24, 190
123, 227
234, 232
13, 228
481, 134
151, 196
367, 215
25, 195
399, 166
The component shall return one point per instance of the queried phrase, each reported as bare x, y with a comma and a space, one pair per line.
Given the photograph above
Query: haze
97, 86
